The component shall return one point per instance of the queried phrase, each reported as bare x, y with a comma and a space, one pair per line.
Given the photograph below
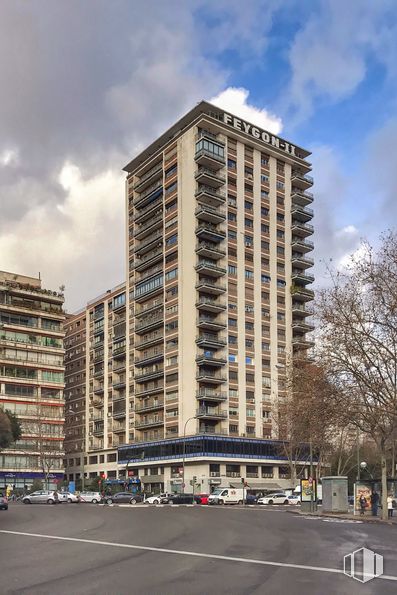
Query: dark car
3, 502
250, 499
181, 499
123, 498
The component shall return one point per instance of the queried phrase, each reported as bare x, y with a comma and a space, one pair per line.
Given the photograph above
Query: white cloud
9, 157
79, 242
235, 100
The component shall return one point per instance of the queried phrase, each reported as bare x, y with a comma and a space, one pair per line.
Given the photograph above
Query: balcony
211, 287
204, 133
210, 340
148, 211
207, 267
150, 390
148, 227
303, 230
302, 214
299, 197
119, 414
118, 426
119, 352
301, 343
210, 377
302, 327
301, 261
158, 372
150, 259
149, 406
98, 430
99, 390
149, 323
301, 180
210, 323
149, 357
142, 310
209, 177
150, 194
210, 360
119, 384
148, 178
97, 402
210, 413
210, 232
300, 277
210, 305
301, 293
210, 250
149, 423
209, 159
207, 394
210, 196
302, 245
210, 214
151, 339
300, 309
212, 430
149, 243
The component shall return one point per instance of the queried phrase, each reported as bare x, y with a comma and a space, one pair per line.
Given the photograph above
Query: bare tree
358, 343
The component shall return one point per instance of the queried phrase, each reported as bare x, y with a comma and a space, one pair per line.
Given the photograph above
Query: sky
85, 86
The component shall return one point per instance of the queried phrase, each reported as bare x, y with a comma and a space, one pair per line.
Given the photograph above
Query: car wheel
270, 502
132, 501
221, 502
70, 500
286, 501
156, 501
94, 501
240, 502
50, 501
27, 501
109, 501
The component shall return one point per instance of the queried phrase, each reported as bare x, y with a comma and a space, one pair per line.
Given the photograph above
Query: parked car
93, 497
157, 499
227, 496
68, 497
181, 499
294, 499
3, 502
123, 498
251, 499
201, 498
40, 497
279, 498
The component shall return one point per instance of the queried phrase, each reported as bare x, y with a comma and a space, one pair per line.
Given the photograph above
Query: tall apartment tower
217, 244
32, 379
95, 392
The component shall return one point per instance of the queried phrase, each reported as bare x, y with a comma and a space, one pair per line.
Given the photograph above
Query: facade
32, 379
218, 228
95, 392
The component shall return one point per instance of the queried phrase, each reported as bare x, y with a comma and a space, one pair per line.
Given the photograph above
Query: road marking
187, 553
330, 520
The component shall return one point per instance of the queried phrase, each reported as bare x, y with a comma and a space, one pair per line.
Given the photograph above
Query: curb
349, 517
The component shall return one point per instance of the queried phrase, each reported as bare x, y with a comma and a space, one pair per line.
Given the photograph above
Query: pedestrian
390, 506
374, 503
56, 497
363, 504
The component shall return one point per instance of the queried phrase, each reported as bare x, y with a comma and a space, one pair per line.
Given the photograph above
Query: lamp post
184, 452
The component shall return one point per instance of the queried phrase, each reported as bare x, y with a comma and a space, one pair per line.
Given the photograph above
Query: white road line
186, 553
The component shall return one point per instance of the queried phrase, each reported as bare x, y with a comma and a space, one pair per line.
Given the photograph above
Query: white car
93, 497
68, 497
158, 499
294, 499
278, 498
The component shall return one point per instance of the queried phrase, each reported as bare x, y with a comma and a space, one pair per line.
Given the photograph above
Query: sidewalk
347, 516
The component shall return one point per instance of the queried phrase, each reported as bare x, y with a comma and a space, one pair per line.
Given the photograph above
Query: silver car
93, 497
68, 497
40, 497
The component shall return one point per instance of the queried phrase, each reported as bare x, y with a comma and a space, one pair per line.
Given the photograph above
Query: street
172, 550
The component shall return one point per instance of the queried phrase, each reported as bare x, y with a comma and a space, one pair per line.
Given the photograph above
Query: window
248, 223
232, 340
232, 322
233, 411
280, 185
119, 300
249, 274
232, 357
171, 326
266, 382
171, 240
250, 378
280, 233
232, 270
249, 360
264, 228
210, 147
248, 188
264, 160
171, 222
232, 306
112, 458
171, 275
264, 211
264, 178
171, 257
172, 378
233, 429
231, 201
233, 393
232, 235
248, 241
265, 346
265, 245
171, 344
231, 216
171, 361
171, 188
249, 308
171, 292
264, 194
248, 205
280, 283
265, 278
250, 412
231, 164
249, 343
233, 375
249, 326
280, 250
248, 171
280, 217
171, 171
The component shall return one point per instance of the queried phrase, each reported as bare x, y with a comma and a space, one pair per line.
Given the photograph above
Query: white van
227, 496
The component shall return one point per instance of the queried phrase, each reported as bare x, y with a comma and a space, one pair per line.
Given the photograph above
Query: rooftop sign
258, 133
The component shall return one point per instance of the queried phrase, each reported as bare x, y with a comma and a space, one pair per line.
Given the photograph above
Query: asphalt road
88, 549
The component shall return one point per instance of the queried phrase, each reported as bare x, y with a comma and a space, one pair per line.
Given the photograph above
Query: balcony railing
211, 395
151, 338
150, 208
211, 412
150, 422
211, 267
210, 249
148, 322
156, 169
149, 406
208, 338
204, 189
152, 188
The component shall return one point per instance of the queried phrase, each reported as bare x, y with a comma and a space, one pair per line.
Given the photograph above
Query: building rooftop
203, 108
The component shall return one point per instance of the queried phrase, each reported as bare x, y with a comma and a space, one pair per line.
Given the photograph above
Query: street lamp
184, 452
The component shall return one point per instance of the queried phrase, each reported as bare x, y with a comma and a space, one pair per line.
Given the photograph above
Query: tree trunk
384, 484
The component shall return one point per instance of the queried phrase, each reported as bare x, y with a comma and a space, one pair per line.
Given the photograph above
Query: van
227, 496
